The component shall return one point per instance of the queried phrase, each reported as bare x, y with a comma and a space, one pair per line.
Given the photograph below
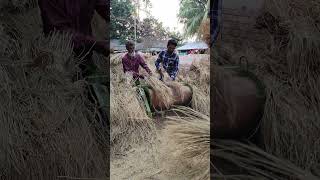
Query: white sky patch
166, 12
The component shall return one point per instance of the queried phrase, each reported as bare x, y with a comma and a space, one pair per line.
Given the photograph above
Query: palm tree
192, 13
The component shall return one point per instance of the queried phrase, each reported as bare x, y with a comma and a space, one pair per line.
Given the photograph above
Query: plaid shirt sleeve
158, 61
176, 67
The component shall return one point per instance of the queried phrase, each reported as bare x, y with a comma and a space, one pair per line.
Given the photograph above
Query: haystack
188, 148
130, 125
47, 120
291, 76
49, 127
289, 69
143, 128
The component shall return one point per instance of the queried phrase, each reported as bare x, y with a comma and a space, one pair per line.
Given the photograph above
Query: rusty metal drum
238, 103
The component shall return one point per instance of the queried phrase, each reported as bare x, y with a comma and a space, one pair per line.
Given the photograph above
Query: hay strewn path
160, 156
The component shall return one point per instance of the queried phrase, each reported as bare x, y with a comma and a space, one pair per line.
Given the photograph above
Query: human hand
171, 78
160, 71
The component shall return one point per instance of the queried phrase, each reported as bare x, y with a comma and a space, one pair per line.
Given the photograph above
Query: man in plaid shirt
169, 60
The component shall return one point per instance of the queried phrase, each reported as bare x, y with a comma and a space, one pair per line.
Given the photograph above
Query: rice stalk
254, 162
161, 90
200, 101
47, 123
189, 139
132, 126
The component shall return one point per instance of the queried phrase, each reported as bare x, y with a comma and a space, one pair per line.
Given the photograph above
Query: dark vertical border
214, 13
108, 85
211, 87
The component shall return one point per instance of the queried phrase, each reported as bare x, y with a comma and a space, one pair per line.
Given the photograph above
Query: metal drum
238, 103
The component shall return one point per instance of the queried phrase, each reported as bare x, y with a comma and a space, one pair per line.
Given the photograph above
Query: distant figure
170, 61
74, 16
132, 61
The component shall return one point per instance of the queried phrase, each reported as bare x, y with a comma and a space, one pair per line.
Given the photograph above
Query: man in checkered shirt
170, 61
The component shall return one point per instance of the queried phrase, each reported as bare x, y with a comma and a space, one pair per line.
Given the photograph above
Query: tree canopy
122, 23
192, 13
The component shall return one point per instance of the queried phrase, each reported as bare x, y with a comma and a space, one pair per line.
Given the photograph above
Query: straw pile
236, 160
198, 77
188, 145
185, 144
130, 124
49, 127
291, 76
290, 73
182, 132
46, 120
199, 72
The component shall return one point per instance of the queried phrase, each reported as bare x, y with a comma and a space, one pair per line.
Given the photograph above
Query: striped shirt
170, 62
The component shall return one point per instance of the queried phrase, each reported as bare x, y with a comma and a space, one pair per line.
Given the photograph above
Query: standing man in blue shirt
169, 60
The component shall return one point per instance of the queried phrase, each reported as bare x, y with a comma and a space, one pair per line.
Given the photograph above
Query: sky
166, 11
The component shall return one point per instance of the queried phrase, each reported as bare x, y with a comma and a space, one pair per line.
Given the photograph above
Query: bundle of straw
132, 126
291, 78
199, 74
252, 163
161, 90
200, 101
188, 147
47, 121
116, 59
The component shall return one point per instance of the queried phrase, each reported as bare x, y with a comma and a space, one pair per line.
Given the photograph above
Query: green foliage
122, 23
192, 13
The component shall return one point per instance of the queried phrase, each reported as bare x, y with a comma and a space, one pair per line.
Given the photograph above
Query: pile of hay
290, 73
236, 160
130, 125
49, 127
47, 121
197, 76
291, 77
187, 149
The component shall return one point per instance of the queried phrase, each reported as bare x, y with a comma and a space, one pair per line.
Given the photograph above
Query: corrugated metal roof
193, 45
